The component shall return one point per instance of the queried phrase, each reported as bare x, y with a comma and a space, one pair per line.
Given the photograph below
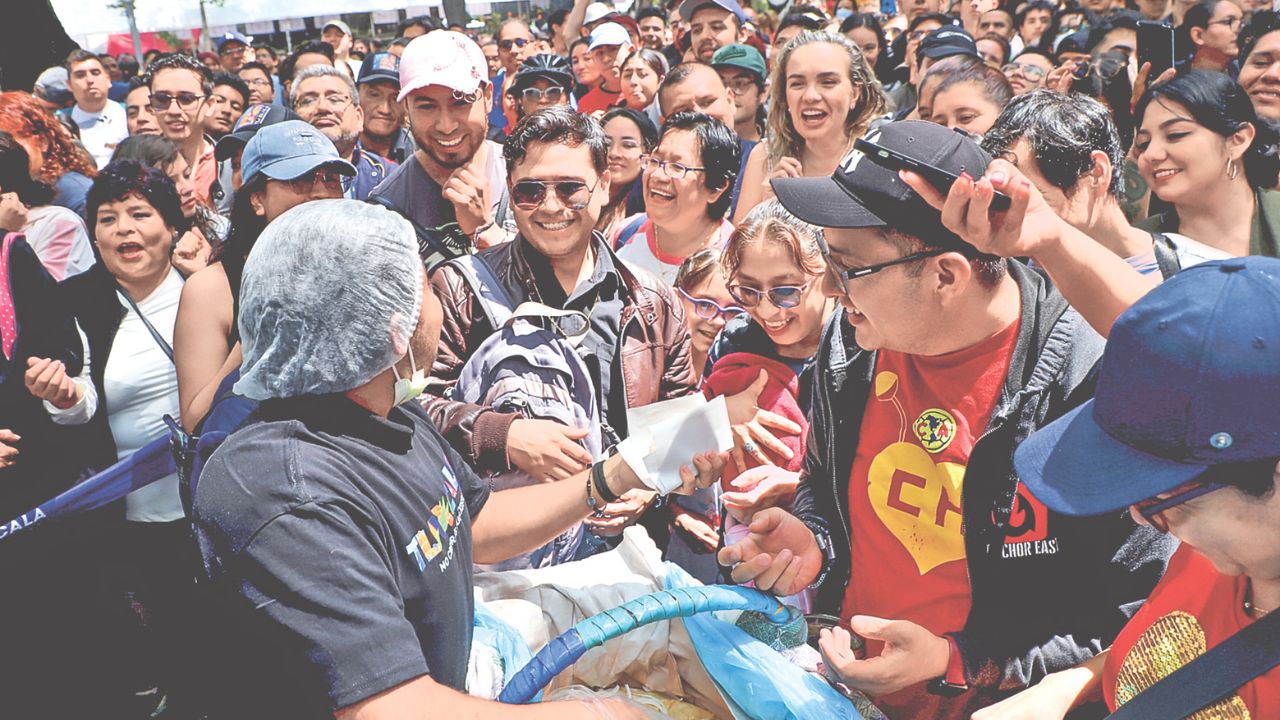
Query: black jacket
48, 462
1038, 606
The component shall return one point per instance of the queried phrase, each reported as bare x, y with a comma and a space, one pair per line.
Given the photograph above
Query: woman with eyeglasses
542, 81
1207, 35
642, 73
1201, 148
687, 183
1259, 44
1179, 450
695, 518
207, 337
631, 137
763, 359
824, 96
1028, 71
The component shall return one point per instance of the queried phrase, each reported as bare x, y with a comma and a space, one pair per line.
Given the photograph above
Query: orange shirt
598, 99
1194, 608
205, 174
908, 557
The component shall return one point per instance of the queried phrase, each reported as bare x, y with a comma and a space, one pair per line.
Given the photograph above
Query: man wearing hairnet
338, 527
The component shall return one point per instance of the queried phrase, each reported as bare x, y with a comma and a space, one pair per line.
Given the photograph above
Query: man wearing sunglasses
180, 90
456, 175
515, 41
910, 520
637, 345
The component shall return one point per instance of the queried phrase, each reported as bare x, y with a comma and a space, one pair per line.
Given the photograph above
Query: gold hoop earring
1232, 169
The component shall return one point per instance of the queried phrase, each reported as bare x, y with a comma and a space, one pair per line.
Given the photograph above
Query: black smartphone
1155, 46
937, 177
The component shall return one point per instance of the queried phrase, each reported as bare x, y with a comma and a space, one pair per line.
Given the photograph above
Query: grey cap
289, 149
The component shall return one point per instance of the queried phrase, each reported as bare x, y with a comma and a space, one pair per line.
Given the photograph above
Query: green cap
740, 56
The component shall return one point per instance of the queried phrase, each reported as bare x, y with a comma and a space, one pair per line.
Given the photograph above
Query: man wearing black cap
231, 146
942, 361
384, 132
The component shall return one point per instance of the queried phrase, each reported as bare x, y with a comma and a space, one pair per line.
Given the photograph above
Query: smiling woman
824, 97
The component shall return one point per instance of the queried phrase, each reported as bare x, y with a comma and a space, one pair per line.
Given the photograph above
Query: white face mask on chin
411, 387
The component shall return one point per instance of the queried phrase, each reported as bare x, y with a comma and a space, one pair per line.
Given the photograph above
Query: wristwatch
828, 550
952, 683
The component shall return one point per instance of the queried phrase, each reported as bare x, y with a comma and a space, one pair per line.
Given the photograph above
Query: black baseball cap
254, 118
380, 66
863, 194
947, 41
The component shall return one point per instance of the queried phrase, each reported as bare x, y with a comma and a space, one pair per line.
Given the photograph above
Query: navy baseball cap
1189, 380
232, 36
287, 150
254, 118
947, 41
689, 7
380, 66
863, 194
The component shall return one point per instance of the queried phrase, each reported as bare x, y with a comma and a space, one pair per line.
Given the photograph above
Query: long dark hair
884, 66
246, 226
1218, 103
15, 174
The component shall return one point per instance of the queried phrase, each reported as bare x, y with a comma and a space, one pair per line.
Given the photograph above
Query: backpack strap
629, 231
1210, 677
494, 300
1166, 255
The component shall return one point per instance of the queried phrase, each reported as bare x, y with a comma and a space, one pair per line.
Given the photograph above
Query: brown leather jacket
653, 348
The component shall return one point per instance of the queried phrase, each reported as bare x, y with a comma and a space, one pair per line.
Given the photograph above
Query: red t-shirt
922, 419
598, 99
1194, 608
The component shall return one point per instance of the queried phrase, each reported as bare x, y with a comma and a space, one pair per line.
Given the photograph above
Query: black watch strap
602, 486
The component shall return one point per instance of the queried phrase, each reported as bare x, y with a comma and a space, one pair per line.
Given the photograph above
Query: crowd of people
1002, 406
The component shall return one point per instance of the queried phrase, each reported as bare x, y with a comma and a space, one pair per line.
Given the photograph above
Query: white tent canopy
87, 21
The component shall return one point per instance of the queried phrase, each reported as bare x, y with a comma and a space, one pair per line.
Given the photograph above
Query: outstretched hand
779, 554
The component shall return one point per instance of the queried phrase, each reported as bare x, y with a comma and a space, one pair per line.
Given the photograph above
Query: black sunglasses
161, 101
530, 194
517, 42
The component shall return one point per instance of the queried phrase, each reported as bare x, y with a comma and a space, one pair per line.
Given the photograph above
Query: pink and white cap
445, 58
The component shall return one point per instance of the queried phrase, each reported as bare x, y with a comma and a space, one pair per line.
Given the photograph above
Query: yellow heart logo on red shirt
919, 502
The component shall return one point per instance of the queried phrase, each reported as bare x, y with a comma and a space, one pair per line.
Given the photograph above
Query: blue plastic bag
489, 629
757, 682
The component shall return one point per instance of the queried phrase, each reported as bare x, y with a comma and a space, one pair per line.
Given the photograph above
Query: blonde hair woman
824, 96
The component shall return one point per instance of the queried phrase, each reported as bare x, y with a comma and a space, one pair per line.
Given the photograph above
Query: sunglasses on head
530, 194
782, 296
708, 309
161, 101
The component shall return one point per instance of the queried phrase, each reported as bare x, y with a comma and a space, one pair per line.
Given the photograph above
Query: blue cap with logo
1189, 380
380, 66
689, 7
288, 150
232, 36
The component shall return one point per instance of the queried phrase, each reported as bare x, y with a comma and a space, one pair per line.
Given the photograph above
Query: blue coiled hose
664, 605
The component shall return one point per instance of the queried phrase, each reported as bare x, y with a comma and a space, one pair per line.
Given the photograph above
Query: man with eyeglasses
1028, 70
941, 362
543, 81
741, 68
259, 80
514, 42
456, 175
327, 98
233, 51
637, 345
384, 132
180, 89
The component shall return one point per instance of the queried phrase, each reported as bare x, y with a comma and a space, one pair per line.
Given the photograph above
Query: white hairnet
329, 298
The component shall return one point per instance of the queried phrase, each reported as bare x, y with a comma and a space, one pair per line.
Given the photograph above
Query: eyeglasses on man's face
160, 101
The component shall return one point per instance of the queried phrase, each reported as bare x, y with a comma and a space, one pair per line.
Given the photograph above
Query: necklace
1252, 610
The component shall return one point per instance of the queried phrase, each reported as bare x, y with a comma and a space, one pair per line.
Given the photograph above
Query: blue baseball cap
287, 150
380, 66
232, 36
1189, 380
254, 118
